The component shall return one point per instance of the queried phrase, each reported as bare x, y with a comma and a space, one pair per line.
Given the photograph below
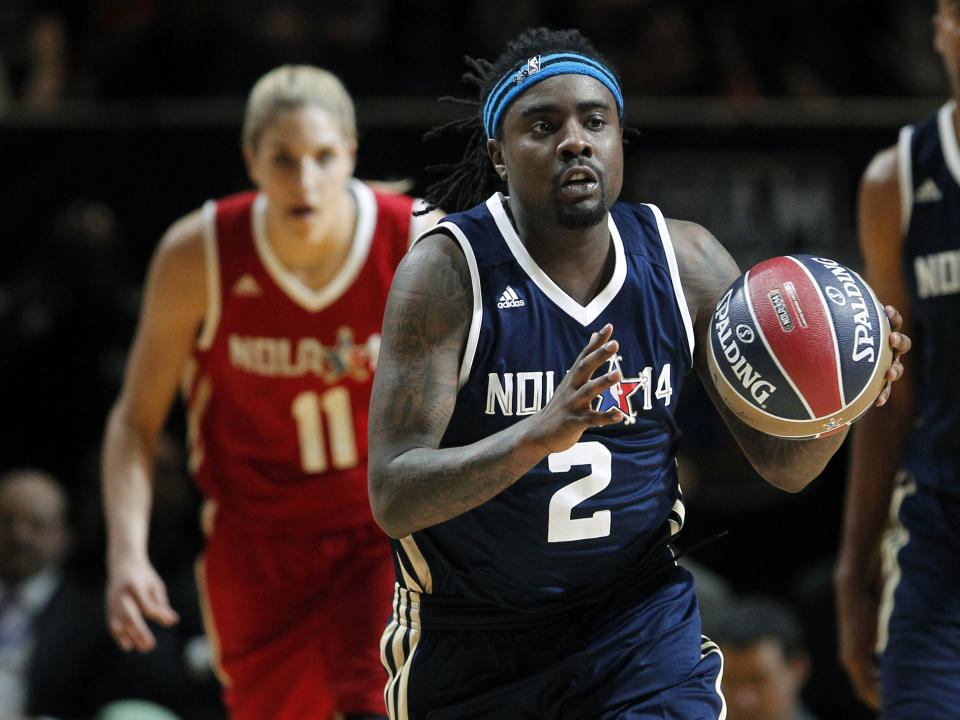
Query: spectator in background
128, 40
178, 673
660, 46
765, 662
222, 48
351, 36
34, 51
56, 657
33, 543
71, 287
814, 48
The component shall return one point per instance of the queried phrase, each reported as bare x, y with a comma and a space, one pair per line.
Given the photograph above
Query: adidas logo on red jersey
246, 286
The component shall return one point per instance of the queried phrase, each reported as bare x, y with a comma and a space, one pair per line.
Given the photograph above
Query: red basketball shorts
295, 620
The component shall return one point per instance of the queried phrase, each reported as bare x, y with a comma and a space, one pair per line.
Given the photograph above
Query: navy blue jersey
930, 194
584, 519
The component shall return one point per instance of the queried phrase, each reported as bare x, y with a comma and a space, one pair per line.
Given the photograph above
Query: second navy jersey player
930, 197
903, 495
588, 514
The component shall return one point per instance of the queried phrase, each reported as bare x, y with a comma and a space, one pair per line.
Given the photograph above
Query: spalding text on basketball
759, 388
863, 338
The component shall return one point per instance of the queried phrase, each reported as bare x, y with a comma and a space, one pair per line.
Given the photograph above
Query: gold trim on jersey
206, 612
208, 514
189, 374
397, 648
678, 514
293, 287
197, 402
211, 318
423, 582
894, 539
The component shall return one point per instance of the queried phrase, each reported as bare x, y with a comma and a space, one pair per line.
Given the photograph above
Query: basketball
799, 346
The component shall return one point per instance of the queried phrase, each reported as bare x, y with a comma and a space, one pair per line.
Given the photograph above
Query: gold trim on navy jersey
894, 540
413, 566
397, 649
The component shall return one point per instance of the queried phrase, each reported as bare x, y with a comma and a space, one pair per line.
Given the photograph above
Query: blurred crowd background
117, 116
55, 49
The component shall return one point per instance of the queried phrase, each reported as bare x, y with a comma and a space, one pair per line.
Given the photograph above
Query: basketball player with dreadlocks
522, 431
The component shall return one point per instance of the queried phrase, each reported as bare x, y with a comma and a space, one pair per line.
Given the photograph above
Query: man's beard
580, 215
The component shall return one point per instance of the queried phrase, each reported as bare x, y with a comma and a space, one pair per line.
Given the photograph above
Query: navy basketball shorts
628, 657
919, 633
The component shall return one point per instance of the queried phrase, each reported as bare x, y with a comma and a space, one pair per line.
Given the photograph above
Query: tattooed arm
413, 483
706, 270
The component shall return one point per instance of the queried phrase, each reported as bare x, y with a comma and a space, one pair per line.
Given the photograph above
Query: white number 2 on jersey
562, 526
332, 410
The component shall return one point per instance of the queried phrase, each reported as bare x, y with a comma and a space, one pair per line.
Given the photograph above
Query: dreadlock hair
472, 179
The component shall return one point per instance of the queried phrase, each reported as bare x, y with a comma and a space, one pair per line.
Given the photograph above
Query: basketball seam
773, 355
833, 332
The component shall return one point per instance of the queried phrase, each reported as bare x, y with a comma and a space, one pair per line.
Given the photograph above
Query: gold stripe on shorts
397, 648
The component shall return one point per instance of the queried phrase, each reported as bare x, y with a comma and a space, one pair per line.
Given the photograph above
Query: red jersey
279, 390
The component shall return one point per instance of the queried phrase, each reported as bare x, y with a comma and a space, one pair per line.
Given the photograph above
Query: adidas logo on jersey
928, 192
510, 299
246, 286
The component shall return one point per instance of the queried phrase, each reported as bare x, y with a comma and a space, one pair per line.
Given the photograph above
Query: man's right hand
570, 411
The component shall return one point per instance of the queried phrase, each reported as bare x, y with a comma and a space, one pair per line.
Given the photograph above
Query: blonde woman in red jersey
265, 309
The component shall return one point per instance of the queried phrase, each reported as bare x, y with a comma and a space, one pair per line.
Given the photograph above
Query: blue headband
540, 68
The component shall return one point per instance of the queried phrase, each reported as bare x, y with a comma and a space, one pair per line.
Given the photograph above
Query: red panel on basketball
799, 346
800, 352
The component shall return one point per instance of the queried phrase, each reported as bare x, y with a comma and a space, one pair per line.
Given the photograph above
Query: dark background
756, 120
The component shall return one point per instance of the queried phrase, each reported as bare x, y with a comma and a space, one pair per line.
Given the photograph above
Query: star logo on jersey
619, 395
351, 360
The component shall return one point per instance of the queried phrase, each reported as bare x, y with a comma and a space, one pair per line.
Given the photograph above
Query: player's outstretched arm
413, 483
173, 308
